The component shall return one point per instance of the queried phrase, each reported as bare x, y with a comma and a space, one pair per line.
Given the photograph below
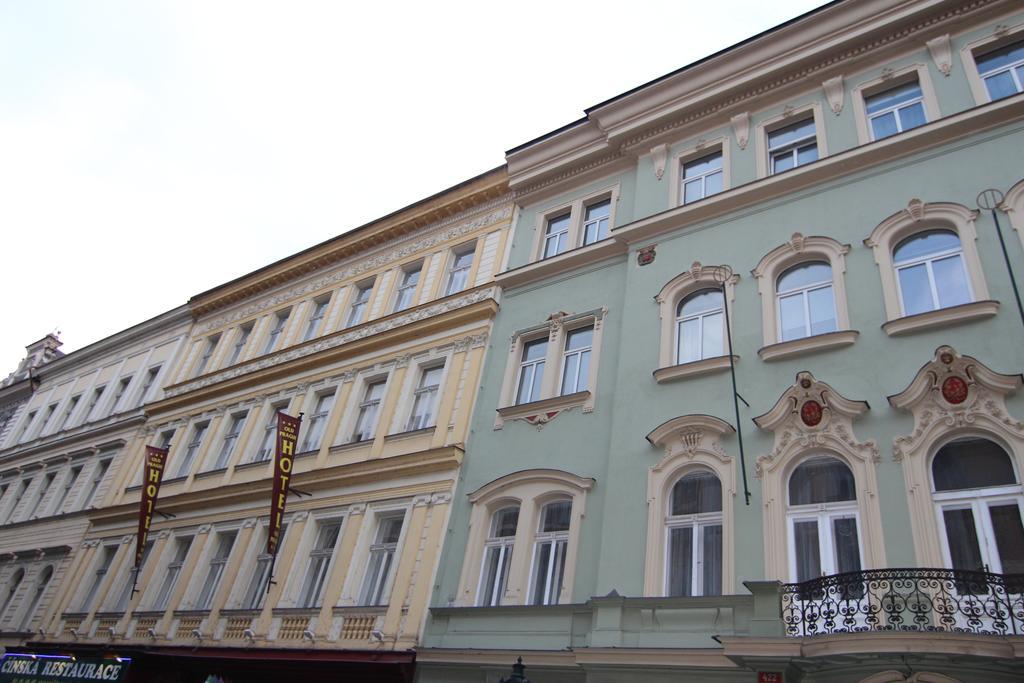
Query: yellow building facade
377, 338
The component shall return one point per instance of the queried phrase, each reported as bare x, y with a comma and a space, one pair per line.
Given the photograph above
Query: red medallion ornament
954, 390
810, 413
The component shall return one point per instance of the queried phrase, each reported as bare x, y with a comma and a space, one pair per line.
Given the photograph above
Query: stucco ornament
942, 54
833, 88
741, 129
659, 155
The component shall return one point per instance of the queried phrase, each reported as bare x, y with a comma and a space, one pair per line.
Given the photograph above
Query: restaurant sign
22, 668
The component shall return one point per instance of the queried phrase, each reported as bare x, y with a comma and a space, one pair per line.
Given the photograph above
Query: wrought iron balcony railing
905, 600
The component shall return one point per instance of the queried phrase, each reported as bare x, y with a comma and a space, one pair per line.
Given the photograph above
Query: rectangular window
576, 359
316, 317
51, 410
257, 587
215, 570
177, 561
19, 493
125, 596
357, 311
41, 494
192, 450
368, 410
549, 553
319, 560
425, 399
381, 562
147, 384
531, 371
227, 447
241, 339
69, 483
266, 448
97, 478
701, 178
1002, 71
280, 320
119, 391
68, 411
204, 360
792, 146
895, 110
318, 422
556, 235
94, 401
106, 557
29, 419
595, 221
406, 290
458, 273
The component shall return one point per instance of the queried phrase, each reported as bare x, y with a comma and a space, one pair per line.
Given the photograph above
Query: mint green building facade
810, 195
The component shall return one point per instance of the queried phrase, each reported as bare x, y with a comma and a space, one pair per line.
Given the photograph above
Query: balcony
929, 600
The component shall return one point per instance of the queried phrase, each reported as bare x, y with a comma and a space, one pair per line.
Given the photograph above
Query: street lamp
517, 673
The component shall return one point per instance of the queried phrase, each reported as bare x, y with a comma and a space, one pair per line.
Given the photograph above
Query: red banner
284, 455
153, 474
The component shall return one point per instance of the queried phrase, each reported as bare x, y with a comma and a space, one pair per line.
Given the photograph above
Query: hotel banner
153, 471
284, 455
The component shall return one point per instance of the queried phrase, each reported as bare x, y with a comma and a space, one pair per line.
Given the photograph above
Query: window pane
569, 374
689, 341
972, 464
1000, 58
890, 98
713, 184
823, 310
712, 560
844, 531
792, 323
535, 350
789, 134
556, 516
912, 116
915, 290
580, 338
804, 275
951, 281
808, 550
713, 336
695, 493
1009, 534
505, 522
581, 382
821, 479
964, 550
782, 162
704, 300
807, 154
680, 563
925, 244
693, 190
1000, 85
883, 126
540, 575
702, 165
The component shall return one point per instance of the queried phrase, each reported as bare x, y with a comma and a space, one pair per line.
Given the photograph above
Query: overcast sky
152, 150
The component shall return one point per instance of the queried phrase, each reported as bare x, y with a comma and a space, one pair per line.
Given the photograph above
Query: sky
152, 150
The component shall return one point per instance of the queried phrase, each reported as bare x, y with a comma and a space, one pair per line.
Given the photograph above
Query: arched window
694, 536
700, 326
930, 272
822, 519
498, 556
806, 301
549, 550
978, 500
41, 583
12, 589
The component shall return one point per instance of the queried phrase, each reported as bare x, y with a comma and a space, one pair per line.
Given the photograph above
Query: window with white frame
209, 347
69, 483
23, 431
556, 235
458, 271
91, 411
424, 398
369, 410
279, 320
69, 409
215, 569
19, 493
1002, 70
99, 473
192, 449
793, 145
806, 304
327, 533
258, 581
176, 560
380, 565
125, 596
407, 287
266, 448
227, 445
316, 317
357, 310
895, 110
531, 371
576, 359
147, 384
241, 339
596, 219
550, 545
978, 501
51, 410
99, 573
701, 178
42, 581
12, 588
119, 392
40, 496
318, 421
823, 519
700, 326
694, 536
930, 272
498, 550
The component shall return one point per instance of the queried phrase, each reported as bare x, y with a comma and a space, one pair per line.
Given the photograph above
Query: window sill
305, 454
944, 317
148, 613
354, 610
253, 464
350, 446
211, 473
295, 612
806, 345
240, 612
174, 480
693, 369
398, 436
190, 613
544, 407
